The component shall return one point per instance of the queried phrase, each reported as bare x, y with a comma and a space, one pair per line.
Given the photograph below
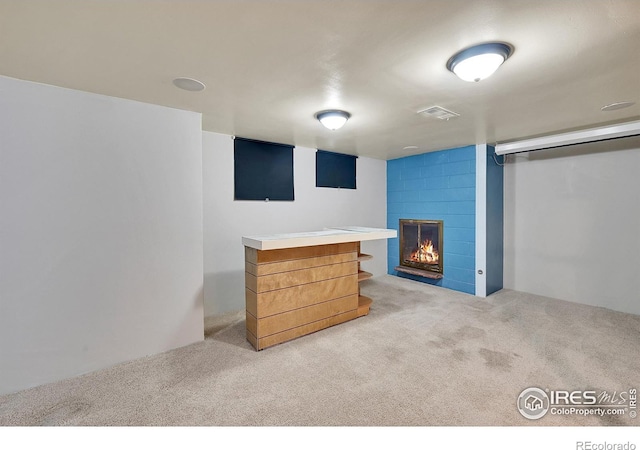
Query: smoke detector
438, 112
616, 106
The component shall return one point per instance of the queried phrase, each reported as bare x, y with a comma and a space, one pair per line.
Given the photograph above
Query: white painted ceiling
269, 66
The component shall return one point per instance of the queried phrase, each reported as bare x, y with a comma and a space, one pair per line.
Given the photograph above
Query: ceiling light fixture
333, 118
480, 61
189, 84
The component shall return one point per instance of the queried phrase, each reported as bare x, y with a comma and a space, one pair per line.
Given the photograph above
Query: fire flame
426, 253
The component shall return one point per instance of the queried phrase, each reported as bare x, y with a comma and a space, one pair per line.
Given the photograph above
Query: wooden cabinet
296, 291
299, 283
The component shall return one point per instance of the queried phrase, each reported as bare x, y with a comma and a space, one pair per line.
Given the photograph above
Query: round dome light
333, 119
479, 62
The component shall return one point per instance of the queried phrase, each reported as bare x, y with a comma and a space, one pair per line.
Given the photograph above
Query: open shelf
364, 257
362, 275
364, 303
418, 272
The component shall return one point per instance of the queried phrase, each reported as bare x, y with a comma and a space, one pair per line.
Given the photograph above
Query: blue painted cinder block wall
438, 186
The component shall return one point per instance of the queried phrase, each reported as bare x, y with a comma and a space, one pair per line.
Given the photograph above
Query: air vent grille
438, 112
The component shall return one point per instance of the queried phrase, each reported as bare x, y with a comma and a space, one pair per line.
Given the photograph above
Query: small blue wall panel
437, 186
495, 228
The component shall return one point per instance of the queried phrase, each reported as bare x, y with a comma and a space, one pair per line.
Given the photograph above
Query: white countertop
334, 235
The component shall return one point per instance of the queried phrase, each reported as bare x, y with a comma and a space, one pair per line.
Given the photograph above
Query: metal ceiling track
571, 138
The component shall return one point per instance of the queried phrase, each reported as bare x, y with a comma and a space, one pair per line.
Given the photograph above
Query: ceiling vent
438, 112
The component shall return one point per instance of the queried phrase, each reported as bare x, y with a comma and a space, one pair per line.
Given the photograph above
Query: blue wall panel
437, 186
495, 227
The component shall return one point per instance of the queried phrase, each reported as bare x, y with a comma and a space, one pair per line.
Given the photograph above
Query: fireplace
421, 248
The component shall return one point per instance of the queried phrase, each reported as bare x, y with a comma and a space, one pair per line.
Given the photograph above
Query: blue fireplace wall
437, 186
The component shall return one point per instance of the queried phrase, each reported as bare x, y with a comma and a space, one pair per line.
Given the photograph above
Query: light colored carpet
423, 356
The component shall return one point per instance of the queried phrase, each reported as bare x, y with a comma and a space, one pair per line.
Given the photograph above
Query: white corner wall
572, 224
100, 232
226, 220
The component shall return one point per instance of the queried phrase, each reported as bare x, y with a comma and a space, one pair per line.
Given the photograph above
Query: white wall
226, 220
100, 232
572, 224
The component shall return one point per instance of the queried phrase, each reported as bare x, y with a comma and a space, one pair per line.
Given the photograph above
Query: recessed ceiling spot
617, 105
438, 112
189, 84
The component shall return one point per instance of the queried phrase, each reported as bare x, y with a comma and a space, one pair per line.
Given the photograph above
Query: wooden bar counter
299, 283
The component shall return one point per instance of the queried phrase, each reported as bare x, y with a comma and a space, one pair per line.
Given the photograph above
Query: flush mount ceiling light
480, 61
189, 84
333, 118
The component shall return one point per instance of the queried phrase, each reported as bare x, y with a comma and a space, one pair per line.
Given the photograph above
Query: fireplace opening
421, 247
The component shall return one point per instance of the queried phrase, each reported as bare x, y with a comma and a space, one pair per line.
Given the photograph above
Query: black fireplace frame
434, 268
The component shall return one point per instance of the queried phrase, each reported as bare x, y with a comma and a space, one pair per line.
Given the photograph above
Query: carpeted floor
423, 356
